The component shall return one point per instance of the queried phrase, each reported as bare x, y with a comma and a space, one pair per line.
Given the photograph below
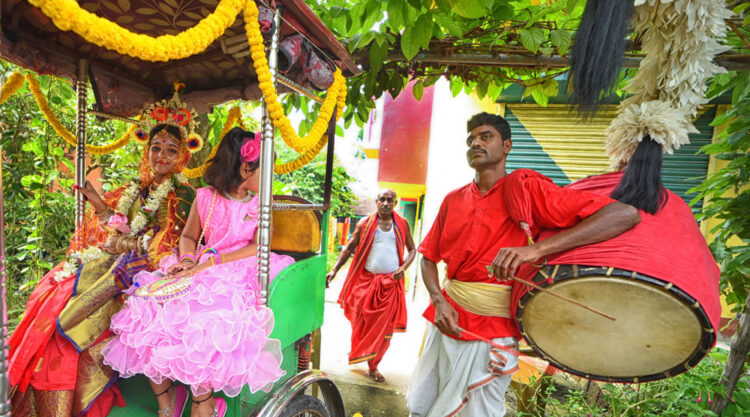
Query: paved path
362, 394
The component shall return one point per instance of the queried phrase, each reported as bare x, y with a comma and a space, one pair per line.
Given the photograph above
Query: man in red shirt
482, 248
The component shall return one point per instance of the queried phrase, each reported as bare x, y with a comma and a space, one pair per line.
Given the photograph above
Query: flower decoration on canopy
172, 112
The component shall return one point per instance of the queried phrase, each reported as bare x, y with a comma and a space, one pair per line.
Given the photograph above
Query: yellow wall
715, 165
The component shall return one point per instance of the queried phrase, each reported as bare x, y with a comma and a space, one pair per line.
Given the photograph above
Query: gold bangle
222, 258
132, 243
118, 245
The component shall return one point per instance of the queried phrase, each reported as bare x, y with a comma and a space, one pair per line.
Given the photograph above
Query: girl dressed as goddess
56, 364
196, 320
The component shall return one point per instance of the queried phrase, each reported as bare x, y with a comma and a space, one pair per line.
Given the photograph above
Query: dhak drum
659, 281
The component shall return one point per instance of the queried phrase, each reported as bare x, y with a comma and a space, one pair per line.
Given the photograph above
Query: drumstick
485, 340
562, 297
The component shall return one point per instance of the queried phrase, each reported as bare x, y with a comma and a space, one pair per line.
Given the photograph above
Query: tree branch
521, 61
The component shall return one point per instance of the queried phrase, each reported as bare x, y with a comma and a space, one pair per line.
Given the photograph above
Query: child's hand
184, 265
192, 270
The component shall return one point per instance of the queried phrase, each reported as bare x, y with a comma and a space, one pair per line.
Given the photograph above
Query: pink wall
405, 139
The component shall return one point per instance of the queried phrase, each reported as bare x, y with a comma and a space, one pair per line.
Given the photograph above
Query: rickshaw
221, 72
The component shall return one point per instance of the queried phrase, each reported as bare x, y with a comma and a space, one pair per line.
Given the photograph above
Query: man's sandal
375, 375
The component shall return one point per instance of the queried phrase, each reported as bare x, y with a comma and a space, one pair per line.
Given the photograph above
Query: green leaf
481, 88
417, 4
531, 38
550, 87
537, 92
360, 41
449, 24
472, 9
430, 80
372, 15
416, 36
570, 5
418, 90
456, 86
395, 14
503, 12
546, 50
740, 7
357, 15
408, 13
561, 40
377, 56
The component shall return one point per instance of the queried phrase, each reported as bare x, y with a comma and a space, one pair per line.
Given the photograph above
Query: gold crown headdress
172, 112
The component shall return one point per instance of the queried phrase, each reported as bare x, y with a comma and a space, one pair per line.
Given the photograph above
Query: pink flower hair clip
251, 148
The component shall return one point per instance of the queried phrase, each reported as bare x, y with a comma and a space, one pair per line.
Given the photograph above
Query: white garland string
140, 221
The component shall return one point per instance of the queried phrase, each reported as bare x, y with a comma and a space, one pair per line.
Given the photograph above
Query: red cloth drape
667, 245
381, 313
374, 304
349, 298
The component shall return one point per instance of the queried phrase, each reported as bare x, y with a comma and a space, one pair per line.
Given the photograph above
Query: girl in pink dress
195, 320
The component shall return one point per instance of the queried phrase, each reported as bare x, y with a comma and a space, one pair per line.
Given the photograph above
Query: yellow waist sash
480, 298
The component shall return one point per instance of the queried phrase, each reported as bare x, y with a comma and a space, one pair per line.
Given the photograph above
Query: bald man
373, 296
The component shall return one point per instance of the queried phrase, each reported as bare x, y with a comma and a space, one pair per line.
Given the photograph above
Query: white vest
383, 257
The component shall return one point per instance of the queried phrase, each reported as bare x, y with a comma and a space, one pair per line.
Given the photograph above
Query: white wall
447, 168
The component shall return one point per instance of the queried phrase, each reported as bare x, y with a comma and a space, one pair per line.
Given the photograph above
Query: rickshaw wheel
305, 406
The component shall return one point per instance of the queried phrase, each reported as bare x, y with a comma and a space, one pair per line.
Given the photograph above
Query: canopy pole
267, 160
83, 72
4, 376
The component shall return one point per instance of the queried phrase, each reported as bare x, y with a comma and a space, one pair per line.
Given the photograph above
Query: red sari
375, 304
50, 373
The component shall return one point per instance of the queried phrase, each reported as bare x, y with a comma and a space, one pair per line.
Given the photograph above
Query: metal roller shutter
556, 143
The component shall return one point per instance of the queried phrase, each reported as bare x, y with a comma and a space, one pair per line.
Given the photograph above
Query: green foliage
733, 147
688, 394
390, 39
37, 179
307, 182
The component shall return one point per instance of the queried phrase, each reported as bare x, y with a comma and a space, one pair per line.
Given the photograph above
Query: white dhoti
459, 378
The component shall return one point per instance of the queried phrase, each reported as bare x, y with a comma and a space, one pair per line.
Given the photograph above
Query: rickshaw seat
296, 233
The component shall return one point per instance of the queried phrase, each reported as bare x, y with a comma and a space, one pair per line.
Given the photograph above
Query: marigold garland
303, 160
334, 95
68, 15
41, 101
11, 85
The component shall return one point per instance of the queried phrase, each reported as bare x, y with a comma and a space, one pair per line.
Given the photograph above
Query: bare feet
376, 375
203, 406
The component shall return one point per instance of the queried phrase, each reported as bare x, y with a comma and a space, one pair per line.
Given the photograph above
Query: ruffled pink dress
214, 337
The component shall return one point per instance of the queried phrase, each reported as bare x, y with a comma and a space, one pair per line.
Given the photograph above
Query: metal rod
4, 376
115, 117
299, 89
83, 69
266, 174
297, 207
329, 159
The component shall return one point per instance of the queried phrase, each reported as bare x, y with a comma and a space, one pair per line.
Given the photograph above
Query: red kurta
374, 304
471, 228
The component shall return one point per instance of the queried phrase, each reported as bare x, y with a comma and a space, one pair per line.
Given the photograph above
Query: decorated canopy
125, 84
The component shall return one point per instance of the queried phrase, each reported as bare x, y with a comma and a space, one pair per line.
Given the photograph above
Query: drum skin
658, 280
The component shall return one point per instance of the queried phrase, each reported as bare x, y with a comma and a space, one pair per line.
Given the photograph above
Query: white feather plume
680, 39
